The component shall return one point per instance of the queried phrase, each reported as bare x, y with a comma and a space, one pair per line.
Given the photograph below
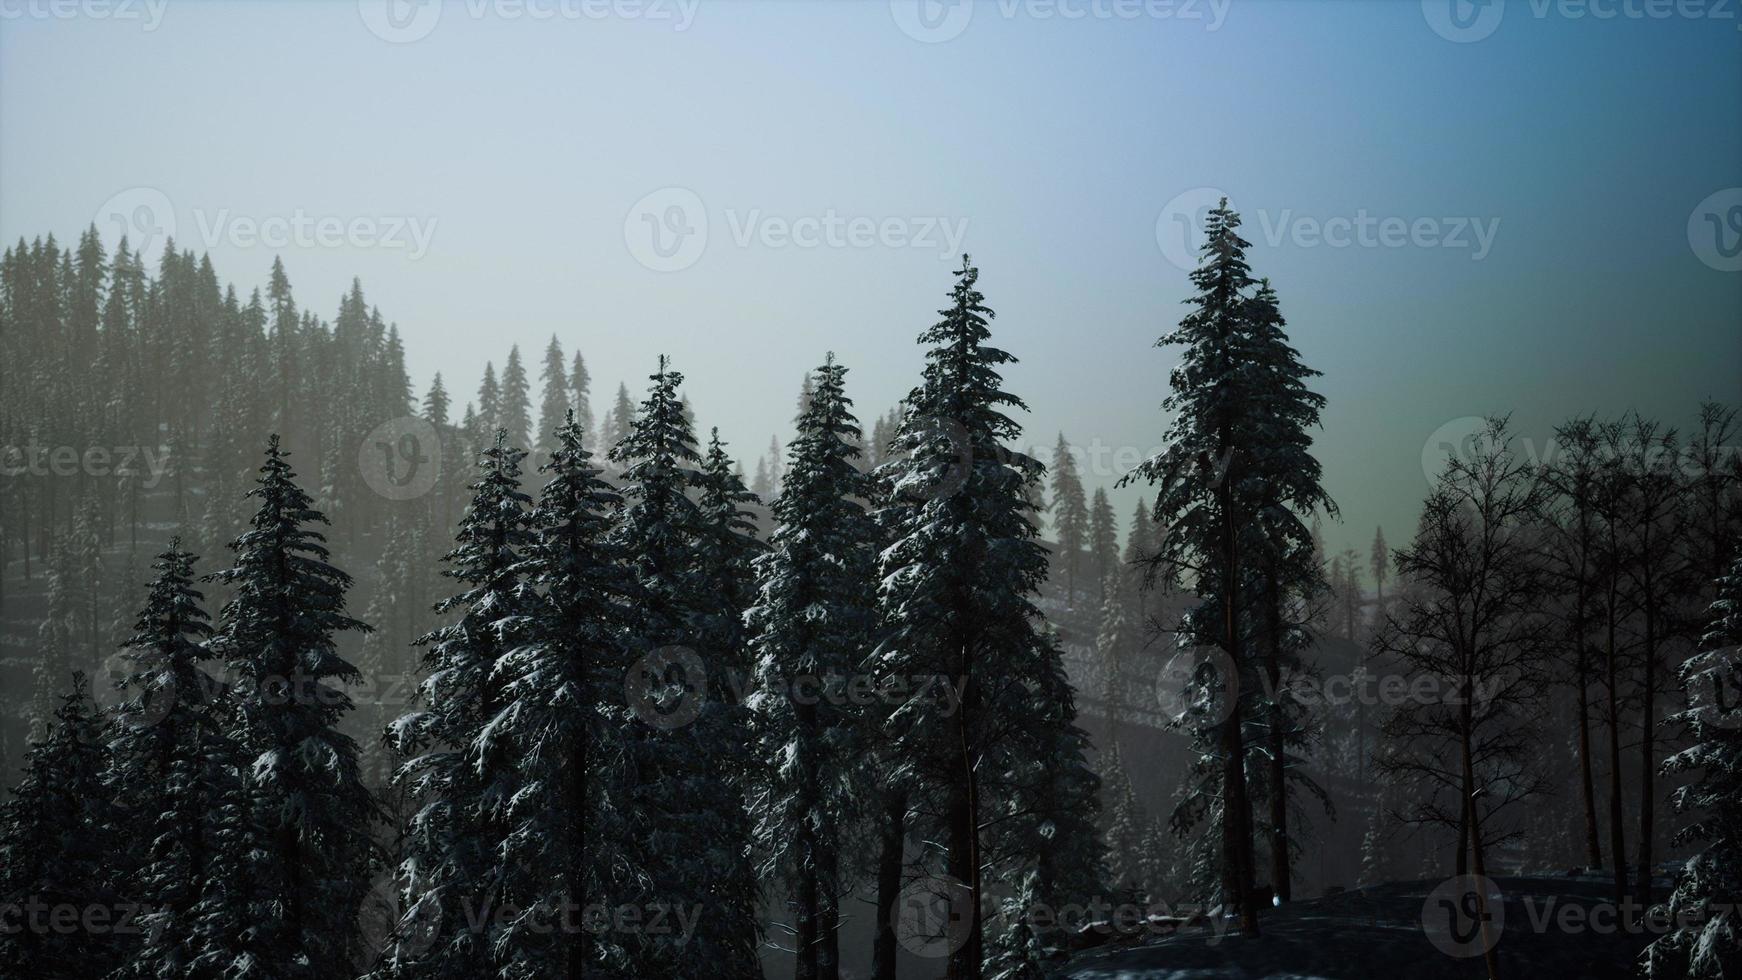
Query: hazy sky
1464, 210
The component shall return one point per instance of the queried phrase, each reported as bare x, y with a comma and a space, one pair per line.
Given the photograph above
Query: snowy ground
1553, 928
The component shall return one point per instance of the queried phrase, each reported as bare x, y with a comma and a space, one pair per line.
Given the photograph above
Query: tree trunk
889, 861
1279, 856
1587, 786
1617, 834
1237, 863
805, 909
1472, 817
1647, 752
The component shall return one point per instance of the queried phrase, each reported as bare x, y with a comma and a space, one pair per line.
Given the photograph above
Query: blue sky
496, 171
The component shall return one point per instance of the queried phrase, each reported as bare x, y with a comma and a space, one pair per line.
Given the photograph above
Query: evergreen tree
1103, 541
1070, 514
690, 854
1705, 942
452, 872
516, 400
554, 406
489, 405
54, 836
811, 626
581, 396
436, 402
563, 719
313, 853
956, 603
171, 769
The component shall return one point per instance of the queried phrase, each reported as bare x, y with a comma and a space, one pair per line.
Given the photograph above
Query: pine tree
1705, 942
1070, 514
554, 406
691, 854
171, 768
516, 415
1232, 483
581, 397
811, 626
956, 603
563, 719
436, 402
489, 404
1103, 541
452, 872
54, 836
313, 853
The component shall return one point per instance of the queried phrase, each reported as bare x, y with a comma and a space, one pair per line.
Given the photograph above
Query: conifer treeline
581, 739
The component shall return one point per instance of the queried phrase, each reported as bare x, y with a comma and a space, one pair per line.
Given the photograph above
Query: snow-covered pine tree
563, 719
812, 624
489, 402
55, 639
452, 874
956, 603
170, 770
313, 852
581, 397
692, 855
55, 834
726, 549
1236, 450
1707, 939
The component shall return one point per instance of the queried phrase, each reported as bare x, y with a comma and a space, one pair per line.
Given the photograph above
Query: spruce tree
55, 834
811, 626
1103, 540
554, 405
691, 854
1705, 941
956, 603
172, 770
516, 416
1070, 515
563, 719
581, 396
311, 816
452, 875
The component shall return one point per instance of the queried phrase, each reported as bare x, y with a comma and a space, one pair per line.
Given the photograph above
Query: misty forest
309, 674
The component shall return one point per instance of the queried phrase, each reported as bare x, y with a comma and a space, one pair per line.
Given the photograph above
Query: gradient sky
531, 143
